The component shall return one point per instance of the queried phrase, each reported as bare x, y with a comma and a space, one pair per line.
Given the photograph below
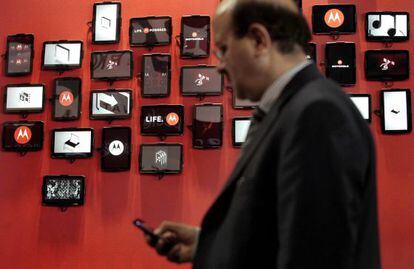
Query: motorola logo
66, 98
172, 119
22, 135
116, 147
340, 64
334, 18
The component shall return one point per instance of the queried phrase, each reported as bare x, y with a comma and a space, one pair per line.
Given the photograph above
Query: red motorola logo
334, 18
194, 34
66, 98
22, 135
172, 119
146, 30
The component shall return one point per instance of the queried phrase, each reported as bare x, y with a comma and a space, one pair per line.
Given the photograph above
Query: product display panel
162, 120
63, 190
22, 136
150, 31
110, 104
106, 22
67, 99
116, 149
333, 19
195, 36
396, 111
156, 75
19, 54
72, 143
161, 158
207, 126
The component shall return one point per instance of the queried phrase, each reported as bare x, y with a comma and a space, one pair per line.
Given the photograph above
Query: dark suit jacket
303, 194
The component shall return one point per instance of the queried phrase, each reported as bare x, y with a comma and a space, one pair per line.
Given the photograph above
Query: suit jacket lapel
306, 75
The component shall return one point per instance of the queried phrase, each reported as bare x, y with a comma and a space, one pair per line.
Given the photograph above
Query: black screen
110, 104
387, 26
386, 65
111, 65
327, 19
23, 136
311, 52
340, 62
162, 119
204, 80
150, 31
116, 149
242, 103
161, 158
67, 99
195, 36
207, 126
19, 56
156, 75
63, 190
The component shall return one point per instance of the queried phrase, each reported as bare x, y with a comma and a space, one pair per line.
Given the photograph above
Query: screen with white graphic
387, 65
111, 65
242, 103
162, 120
195, 36
116, 149
201, 80
19, 54
110, 104
207, 126
156, 75
150, 31
67, 99
72, 143
24, 98
328, 19
396, 111
240, 128
161, 158
62, 55
106, 22
363, 103
22, 136
63, 190
387, 26
340, 62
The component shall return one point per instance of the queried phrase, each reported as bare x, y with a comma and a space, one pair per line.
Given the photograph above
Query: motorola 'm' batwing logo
66, 98
116, 147
22, 135
172, 119
334, 18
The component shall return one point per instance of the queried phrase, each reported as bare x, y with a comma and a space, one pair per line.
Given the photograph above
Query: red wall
100, 234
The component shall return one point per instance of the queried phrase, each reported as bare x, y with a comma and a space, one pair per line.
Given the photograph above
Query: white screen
241, 127
106, 22
387, 22
62, 54
72, 142
24, 98
395, 110
111, 103
362, 103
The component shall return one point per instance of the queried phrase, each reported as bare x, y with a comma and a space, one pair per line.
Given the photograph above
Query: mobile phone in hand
147, 231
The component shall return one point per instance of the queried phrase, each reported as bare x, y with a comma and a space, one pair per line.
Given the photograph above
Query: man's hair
286, 28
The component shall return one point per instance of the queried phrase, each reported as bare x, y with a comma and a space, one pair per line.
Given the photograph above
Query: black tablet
116, 149
207, 126
150, 31
242, 103
24, 98
387, 65
72, 143
201, 80
19, 54
195, 36
340, 62
311, 52
156, 75
62, 55
387, 26
106, 23
363, 103
22, 136
111, 65
396, 111
334, 19
162, 120
110, 104
240, 127
63, 190
161, 158
66, 98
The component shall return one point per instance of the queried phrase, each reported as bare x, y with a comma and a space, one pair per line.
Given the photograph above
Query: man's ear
260, 37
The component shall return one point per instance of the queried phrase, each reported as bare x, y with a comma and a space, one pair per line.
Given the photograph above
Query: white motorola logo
161, 157
116, 148
385, 64
334, 16
201, 79
22, 134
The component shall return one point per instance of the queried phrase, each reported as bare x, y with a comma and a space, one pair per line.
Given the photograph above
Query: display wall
100, 233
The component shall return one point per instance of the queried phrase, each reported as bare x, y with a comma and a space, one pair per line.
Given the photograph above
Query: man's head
258, 40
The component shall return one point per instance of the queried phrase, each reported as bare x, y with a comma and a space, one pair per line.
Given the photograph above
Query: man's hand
177, 241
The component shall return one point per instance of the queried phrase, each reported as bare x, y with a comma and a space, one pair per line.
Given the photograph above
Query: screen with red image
195, 36
207, 126
23, 136
327, 19
19, 55
162, 120
67, 97
387, 65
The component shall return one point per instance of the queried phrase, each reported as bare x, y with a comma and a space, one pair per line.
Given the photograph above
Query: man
303, 193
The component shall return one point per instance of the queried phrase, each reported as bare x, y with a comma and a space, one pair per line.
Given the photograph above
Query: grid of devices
161, 158
63, 190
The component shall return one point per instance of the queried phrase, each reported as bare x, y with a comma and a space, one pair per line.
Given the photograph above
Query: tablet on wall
24, 98
156, 75
106, 23
387, 65
67, 98
240, 127
72, 143
396, 111
116, 149
111, 65
19, 54
195, 36
63, 190
201, 80
387, 26
207, 126
22, 136
363, 103
150, 31
341, 63
334, 19
110, 104
161, 158
62, 55
162, 120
